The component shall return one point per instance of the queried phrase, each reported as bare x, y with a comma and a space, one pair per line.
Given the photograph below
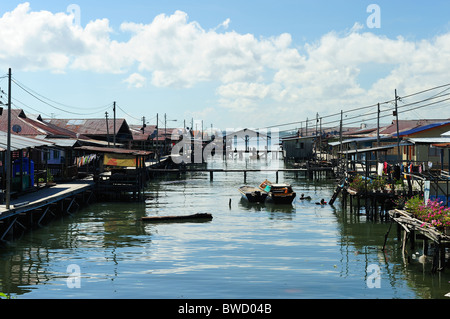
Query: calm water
299, 251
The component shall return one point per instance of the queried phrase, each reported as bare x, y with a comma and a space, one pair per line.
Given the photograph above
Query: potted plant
50, 179
432, 214
357, 184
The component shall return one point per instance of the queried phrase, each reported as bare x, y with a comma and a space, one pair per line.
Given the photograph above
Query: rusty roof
18, 123
90, 126
112, 150
442, 145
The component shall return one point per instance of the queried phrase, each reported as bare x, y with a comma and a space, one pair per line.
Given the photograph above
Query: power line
59, 108
135, 118
437, 95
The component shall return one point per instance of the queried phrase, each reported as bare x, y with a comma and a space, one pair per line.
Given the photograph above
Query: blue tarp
422, 128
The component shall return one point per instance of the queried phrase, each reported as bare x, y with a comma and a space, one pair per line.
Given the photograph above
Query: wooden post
211, 177
425, 246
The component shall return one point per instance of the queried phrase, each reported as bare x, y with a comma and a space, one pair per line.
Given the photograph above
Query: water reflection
248, 250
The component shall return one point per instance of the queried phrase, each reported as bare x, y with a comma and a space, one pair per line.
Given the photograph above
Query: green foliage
358, 183
432, 213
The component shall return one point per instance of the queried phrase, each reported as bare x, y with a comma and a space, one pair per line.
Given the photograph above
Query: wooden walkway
44, 197
211, 171
32, 209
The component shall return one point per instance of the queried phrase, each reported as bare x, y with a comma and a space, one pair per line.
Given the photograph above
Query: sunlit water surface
247, 251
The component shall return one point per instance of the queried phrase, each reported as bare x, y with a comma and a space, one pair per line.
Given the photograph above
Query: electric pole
398, 134
114, 135
143, 125
378, 132
107, 128
8, 148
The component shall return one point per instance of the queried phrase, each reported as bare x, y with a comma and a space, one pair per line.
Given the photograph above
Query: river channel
298, 251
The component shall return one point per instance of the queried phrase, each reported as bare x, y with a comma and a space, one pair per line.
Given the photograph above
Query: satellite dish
16, 128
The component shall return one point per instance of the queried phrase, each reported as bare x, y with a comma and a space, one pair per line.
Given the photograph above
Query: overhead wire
417, 104
400, 108
37, 96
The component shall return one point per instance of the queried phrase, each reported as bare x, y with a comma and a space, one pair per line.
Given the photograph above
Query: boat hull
253, 194
281, 198
278, 193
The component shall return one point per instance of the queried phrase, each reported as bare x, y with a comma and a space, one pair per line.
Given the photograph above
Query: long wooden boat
253, 194
194, 217
278, 193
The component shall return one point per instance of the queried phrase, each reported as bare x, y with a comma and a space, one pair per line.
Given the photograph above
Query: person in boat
306, 198
322, 202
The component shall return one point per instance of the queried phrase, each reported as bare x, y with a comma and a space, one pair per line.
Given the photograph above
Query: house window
55, 154
299, 145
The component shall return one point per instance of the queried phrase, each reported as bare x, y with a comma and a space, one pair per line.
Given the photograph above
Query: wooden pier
211, 171
34, 209
414, 229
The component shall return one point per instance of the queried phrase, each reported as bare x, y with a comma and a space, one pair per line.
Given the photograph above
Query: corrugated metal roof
18, 122
442, 145
357, 140
429, 140
368, 150
20, 142
89, 126
423, 128
112, 150
62, 142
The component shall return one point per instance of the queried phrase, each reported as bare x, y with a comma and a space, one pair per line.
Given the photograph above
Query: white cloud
250, 73
135, 80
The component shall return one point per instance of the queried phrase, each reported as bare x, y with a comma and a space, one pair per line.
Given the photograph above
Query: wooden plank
46, 196
177, 218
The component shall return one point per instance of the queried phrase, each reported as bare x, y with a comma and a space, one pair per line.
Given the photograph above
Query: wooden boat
253, 194
278, 193
194, 217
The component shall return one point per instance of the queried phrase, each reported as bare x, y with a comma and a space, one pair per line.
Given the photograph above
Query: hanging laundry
380, 169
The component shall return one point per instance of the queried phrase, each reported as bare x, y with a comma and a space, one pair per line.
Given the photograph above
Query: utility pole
340, 166
378, 132
114, 135
398, 134
143, 125
315, 139
143, 131
107, 128
8, 148
306, 132
320, 137
157, 137
165, 132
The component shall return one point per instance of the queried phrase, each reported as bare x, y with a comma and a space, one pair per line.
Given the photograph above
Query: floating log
156, 219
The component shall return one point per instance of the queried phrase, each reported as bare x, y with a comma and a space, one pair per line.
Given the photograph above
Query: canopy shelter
22, 165
118, 156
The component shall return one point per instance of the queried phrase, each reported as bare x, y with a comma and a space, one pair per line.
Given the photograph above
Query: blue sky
229, 63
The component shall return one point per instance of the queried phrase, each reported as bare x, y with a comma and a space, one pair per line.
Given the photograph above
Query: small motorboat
253, 194
278, 193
